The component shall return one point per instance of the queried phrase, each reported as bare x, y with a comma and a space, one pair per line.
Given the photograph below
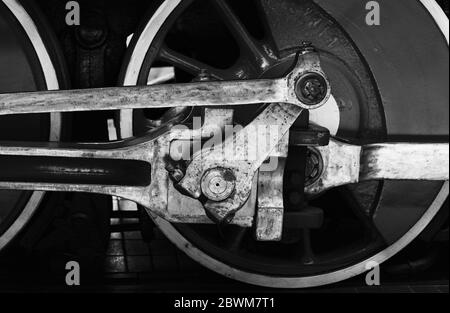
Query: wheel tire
35, 63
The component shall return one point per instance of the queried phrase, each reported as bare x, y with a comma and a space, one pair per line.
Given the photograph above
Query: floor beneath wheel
133, 264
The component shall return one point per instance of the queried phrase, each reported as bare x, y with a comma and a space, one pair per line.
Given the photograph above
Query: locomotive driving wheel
29, 61
383, 89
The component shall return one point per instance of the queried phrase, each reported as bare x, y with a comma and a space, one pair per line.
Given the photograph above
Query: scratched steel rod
67, 168
126, 168
139, 97
293, 88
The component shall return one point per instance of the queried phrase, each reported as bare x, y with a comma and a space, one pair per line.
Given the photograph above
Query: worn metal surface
348, 164
408, 161
313, 136
140, 97
281, 90
181, 207
189, 210
233, 153
47, 174
269, 224
270, 210
342, 162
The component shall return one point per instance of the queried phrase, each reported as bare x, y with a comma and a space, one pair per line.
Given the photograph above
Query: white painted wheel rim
51, 80
126, 130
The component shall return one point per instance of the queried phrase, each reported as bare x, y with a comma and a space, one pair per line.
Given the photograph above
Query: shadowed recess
78, 171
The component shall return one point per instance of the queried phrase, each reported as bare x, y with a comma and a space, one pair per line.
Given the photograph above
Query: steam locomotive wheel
28, 62
384, 88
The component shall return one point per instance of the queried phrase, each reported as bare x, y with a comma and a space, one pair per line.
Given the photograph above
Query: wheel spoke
246, 42
362, 211
286, 23
188, 64
235, 238
266, 15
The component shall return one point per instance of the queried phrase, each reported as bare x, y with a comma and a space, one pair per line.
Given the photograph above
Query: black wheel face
20, 70
361, 220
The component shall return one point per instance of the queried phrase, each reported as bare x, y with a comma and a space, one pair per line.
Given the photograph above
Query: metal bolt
218, 184
314, 166
175, 172
311, 88
177, 175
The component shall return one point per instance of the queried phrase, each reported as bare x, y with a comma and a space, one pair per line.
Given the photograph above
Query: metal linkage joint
315, 136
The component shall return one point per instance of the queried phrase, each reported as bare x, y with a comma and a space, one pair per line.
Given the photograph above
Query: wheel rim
19, 207
131, 77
